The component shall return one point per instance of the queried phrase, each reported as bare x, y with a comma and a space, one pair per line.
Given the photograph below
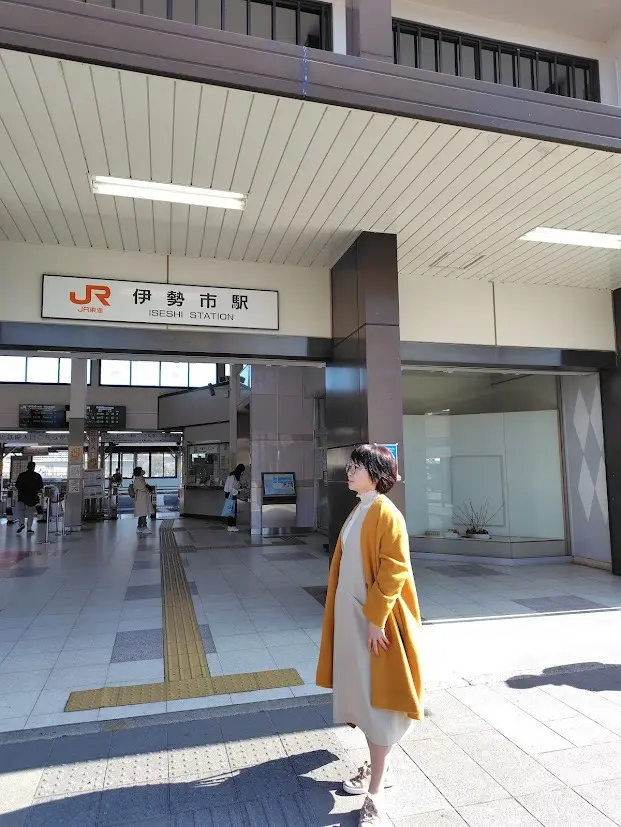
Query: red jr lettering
98, 291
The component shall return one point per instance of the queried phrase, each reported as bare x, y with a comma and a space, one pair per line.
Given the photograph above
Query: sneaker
20, 529
232, 529
359, 784
30, 531
371, 815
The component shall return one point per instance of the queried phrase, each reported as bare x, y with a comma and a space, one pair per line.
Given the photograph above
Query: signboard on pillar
142, 302
92, 450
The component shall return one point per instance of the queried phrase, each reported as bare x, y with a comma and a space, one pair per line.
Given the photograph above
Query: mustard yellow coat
392, 604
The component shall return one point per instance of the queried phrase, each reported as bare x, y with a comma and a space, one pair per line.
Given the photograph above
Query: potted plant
476, 519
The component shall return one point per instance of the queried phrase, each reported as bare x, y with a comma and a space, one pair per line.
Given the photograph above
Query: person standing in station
140, 491
29, 484
231, 489
370, 642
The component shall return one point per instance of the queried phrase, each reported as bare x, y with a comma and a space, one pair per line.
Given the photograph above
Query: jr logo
99, 291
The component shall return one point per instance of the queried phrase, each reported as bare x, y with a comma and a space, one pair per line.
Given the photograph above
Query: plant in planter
476, 519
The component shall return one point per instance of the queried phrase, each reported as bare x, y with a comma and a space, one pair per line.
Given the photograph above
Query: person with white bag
231, 490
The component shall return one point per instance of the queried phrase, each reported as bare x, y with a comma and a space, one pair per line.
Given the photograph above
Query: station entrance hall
199, 275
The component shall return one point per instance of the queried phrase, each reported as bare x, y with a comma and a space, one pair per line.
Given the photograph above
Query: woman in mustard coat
369, 651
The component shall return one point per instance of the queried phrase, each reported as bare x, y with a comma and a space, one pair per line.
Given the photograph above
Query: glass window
468, 61
310, 30
143, 461
42, 370
174, 375
128, 5
285, 28
561, 86
210, 14
127, 465
582, 84
184, 11
527, 79
261, 20
507, 69
115, 372
448, 57
170, 465
227, 370
64, 373
489, 72
202, 375
145, 374
12, 368
545, 73
428, 53
235, 16
407, 50
513, 65
157, 465
156, 8
493, 448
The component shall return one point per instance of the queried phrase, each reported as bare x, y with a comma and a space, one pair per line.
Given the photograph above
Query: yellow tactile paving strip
186, 673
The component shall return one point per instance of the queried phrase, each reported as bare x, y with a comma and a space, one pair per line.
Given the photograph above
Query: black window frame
323, 10
517, 52
114, 459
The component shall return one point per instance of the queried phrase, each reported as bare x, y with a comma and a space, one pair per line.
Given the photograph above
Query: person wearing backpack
140, 492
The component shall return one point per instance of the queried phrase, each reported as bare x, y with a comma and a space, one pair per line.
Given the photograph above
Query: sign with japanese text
108, 300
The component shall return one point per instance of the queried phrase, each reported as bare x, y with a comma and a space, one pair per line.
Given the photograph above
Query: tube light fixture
550, 235
172, 193
64, 433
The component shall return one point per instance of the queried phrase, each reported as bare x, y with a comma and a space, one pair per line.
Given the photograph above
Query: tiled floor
85, 612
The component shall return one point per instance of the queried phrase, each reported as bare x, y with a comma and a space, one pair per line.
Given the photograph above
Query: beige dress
352, 669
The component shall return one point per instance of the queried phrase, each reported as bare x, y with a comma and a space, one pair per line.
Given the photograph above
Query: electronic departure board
42, 417
105, 416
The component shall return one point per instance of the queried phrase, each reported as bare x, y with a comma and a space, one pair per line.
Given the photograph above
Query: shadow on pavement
596, 677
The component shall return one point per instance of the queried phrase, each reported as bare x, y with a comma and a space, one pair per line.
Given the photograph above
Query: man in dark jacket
28, 485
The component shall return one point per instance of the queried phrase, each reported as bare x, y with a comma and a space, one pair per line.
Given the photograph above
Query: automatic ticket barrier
279, 504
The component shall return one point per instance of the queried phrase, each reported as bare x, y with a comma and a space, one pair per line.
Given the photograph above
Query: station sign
142, 302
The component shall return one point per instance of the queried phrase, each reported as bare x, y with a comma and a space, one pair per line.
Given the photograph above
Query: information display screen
34, 417
279, 485
105, 416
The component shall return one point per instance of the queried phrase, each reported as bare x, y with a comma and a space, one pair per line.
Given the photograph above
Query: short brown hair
380, 465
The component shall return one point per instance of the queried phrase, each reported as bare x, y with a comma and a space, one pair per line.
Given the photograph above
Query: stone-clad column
364, 395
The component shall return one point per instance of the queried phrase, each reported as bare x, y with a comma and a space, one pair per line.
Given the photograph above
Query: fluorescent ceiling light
64, 433
551, 235
172, 193
124, 432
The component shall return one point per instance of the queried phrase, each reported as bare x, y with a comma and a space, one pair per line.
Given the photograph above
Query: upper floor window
157, 374
453, 53
305, 22
38, 370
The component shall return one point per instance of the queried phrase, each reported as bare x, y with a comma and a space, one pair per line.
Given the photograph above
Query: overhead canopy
316, 175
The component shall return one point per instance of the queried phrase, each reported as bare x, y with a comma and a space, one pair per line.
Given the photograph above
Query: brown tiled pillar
364, 397
369, 29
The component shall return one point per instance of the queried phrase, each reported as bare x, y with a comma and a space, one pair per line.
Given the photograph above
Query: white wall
304, 292
563, 317
193, 407
496, 29
519, 315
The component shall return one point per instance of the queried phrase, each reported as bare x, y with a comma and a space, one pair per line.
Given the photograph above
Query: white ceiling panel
315, 175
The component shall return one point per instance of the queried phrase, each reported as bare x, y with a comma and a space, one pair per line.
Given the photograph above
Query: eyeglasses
351, 468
